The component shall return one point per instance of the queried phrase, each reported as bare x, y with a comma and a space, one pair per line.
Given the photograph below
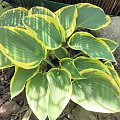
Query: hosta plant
54, 63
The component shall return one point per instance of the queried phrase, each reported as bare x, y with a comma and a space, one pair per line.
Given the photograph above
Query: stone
8, 108
6, 97
117, 115
80, 113
1, 101
112, 31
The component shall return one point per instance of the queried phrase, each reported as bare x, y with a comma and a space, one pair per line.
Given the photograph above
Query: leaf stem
49, 62
80, 53
27, 115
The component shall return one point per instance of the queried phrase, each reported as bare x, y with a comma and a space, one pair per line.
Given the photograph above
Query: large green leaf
67, 16
41, 10
36, 92
20, 78
111, 44
90, 45
98, 92
47, 29
68, 64
13, 17
4, 61
61, 53
91, 17
59, 91
21, 48
83, 63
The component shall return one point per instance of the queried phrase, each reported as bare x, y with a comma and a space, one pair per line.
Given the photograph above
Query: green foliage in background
54, 64
4, 6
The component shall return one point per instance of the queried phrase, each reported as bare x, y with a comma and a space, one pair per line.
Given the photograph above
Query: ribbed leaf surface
20, 48
97, 92
13, 17
67, 16
59, 91
47, 29
41, 10
83, 63
90, 45
36, 93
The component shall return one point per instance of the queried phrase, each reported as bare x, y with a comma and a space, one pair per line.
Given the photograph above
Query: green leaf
41, 10
67, 16
90, 45
68, 64
20, 78
98, 92
59, 91
4, 61
61, 53
114, 74
111, 44
4, 6
13, 17
91, 17
36, 92
5, 9
21, 48
83, 63
108, 63
47, 29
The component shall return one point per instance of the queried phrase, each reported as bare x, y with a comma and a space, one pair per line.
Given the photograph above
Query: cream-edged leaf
37, 97
13, 17
90, 45
83, 63
41, 10
67, 16
20, 78
91, 17
59, 91
98, 92
47, 29
111, 44
21, 48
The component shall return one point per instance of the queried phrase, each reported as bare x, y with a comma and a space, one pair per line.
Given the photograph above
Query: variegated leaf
13, 17
91, 46
47, 29
91, 16
21, 48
